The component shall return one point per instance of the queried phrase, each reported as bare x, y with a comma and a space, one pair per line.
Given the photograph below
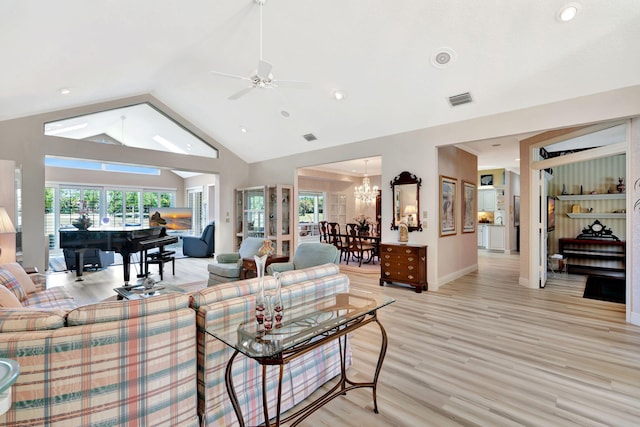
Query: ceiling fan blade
243, 92
264, 69
291, 84
233, 76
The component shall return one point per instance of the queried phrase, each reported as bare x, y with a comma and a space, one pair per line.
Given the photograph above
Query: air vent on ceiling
309, 137
463, 98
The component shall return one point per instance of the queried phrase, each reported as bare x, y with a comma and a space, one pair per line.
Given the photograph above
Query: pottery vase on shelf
404, 233
621, 187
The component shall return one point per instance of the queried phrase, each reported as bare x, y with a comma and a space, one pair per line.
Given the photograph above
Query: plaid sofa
301, 377
113, 363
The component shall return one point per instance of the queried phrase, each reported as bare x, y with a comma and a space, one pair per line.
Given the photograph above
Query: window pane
115, 208
69, 205
92, 199
133, 208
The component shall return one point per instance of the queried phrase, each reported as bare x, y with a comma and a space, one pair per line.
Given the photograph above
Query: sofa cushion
109, 311
53, 298
30, 319
9, 281
8, 299
250, 247
23, 278
225, 270
227, 258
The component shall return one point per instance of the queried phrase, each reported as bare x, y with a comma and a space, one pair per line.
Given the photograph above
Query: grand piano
125, 241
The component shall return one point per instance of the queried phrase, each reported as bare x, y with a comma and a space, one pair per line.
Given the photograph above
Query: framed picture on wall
516, 211
468, 207
448, 206
486, 179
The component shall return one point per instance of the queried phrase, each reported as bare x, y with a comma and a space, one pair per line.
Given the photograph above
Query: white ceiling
508, 54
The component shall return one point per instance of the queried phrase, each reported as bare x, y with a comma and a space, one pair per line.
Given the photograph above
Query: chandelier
365, 193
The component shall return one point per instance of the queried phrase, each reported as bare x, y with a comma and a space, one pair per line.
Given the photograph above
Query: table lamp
410, 210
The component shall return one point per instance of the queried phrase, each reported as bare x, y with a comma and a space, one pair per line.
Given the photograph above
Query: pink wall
458, 253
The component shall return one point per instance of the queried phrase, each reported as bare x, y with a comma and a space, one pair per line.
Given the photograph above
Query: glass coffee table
304, 327
134, 292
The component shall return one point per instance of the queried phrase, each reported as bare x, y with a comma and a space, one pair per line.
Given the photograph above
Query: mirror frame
406, 178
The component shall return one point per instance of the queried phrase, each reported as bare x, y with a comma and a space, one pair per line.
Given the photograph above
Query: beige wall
457, 253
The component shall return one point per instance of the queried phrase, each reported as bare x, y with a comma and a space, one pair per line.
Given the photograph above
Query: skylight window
140, 126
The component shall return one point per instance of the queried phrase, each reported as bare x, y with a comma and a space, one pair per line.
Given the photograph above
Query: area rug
605, 288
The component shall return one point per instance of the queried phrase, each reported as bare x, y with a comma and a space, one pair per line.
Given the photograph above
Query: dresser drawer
404, 264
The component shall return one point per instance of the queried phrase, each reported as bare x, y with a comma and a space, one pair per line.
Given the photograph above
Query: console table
304, 328
404, 263
613, 251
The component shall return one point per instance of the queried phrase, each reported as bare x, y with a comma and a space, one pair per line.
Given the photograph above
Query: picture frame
516, 211
448, 205
469, 215
486, 179
551, 213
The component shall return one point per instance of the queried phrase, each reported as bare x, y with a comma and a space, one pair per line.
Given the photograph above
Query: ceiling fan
263, 78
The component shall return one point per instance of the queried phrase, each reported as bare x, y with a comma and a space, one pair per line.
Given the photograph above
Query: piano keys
125, 241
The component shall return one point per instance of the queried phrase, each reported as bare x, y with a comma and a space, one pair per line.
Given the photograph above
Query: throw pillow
9, 281
8, 299
22, 276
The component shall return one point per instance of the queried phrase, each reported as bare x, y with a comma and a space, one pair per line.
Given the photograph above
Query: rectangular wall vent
309, 137
463, 98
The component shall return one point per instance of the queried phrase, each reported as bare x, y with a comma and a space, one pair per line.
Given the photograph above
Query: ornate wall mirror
406, 201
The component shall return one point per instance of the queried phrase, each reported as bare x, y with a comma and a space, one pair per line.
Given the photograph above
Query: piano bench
160, 258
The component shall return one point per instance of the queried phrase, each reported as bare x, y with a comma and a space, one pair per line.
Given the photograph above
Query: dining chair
357, 248
323, 230
336, 239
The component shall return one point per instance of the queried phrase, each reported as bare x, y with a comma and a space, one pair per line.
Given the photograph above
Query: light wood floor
482, 351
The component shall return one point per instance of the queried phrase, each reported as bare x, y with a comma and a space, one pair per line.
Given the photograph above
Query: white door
542, 186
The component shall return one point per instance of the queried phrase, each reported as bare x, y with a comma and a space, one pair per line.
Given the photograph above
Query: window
108, 207
310, 207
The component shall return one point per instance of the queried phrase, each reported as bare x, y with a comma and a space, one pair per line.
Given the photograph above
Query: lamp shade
6, 226
410, 210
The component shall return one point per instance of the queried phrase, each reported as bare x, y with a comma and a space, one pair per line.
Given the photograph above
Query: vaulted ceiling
507, 54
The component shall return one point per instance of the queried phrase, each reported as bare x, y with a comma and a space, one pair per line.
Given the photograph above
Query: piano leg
126, 265
79, 264
143, 256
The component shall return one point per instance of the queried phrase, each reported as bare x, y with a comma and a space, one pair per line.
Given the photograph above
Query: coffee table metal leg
228, 379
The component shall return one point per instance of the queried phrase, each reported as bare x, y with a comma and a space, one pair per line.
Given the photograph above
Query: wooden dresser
404, 264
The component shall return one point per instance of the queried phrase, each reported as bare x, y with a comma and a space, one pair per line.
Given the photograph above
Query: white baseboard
635, 318
459, 273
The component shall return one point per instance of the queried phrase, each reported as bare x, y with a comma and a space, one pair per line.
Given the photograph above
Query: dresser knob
410, 267
410, 259
387, 257
410, 277
387, 264
389, 249
423, 258
408, 251
386, 273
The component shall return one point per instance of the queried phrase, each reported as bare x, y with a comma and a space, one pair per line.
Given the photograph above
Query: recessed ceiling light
443, 57
285, 113
65, 91
243, 129
568, 12
339, 95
